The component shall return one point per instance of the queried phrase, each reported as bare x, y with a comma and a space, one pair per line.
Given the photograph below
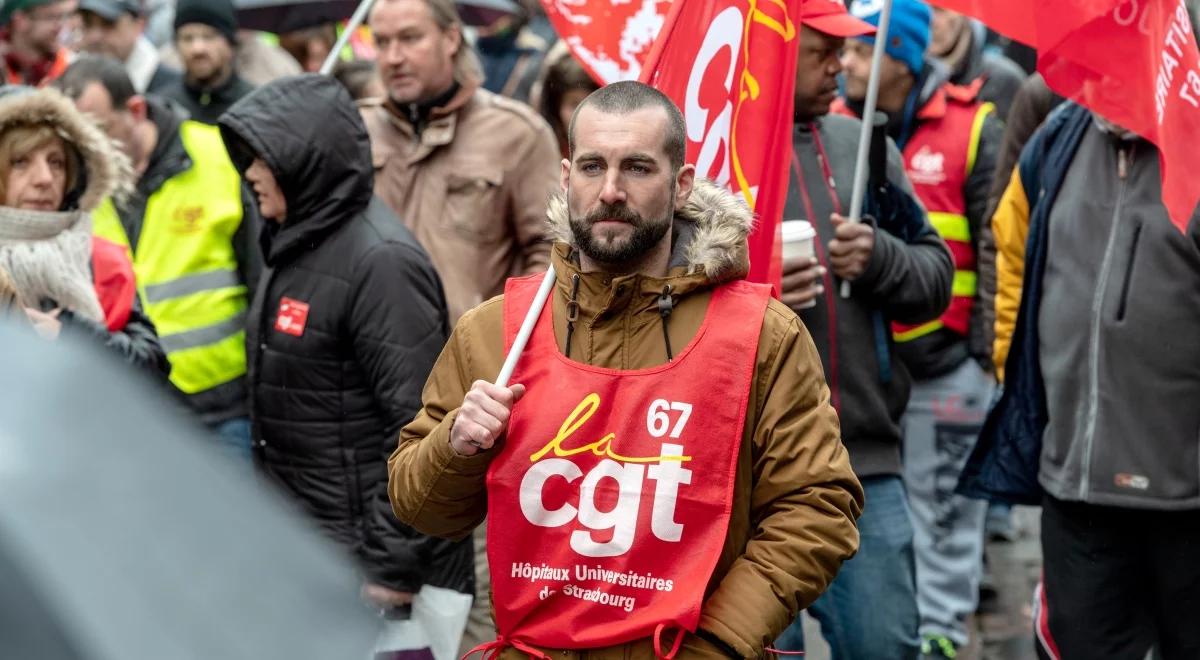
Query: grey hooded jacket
1119, 335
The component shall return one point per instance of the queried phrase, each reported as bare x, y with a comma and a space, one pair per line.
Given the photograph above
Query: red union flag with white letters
730, 65
610, 38
1133, 61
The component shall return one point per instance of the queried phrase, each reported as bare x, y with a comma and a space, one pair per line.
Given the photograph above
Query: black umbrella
124, 534
280, 16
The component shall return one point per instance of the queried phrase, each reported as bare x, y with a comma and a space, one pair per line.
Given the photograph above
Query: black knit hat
217, 14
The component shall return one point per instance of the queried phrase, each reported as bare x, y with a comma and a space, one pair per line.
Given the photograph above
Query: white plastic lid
795, 231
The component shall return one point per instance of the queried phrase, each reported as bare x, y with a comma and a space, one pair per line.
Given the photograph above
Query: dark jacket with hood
907, 280
332, 385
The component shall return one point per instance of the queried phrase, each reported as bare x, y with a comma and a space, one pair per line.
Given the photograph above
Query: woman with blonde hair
55, 168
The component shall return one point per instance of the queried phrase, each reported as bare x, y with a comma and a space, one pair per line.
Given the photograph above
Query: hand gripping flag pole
864, 138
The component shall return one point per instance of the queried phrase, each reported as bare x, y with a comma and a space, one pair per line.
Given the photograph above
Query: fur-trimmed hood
104, 170
710, 230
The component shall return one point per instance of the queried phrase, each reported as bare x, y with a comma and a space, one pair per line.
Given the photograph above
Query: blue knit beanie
908, 32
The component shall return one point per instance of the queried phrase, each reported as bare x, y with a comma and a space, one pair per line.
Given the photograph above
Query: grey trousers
941, 425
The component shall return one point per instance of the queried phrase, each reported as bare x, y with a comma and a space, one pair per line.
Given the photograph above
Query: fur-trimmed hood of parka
104, 169
710, 232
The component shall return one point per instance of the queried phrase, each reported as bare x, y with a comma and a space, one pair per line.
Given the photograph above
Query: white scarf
48, 256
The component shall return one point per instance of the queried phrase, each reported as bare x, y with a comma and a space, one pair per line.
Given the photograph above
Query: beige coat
796, 498
472, 186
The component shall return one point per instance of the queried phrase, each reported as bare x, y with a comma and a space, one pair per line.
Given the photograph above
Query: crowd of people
327, 272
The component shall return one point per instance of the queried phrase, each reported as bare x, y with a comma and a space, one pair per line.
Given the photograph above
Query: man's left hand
850, 250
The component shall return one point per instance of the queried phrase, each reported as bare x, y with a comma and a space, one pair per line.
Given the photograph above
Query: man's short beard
643, 239
219, 76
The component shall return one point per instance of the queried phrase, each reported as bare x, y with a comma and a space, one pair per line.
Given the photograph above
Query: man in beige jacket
468, 171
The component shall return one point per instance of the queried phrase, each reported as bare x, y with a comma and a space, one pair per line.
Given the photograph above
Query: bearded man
668, 475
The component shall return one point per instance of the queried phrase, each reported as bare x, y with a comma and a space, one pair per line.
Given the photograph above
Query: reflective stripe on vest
939, 161
916, 331
186, 266
956, 231
951, 226
964, 287
985, 109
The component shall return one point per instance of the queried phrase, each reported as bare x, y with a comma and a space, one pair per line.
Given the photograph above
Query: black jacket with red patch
347, 321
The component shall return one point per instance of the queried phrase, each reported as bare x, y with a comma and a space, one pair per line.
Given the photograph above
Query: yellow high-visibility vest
186, 267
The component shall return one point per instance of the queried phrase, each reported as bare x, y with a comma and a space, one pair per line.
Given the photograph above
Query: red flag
1008, 17
610, 38
1133, 61
730, 65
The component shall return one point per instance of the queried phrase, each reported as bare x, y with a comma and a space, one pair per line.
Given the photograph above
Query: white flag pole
531, 318
864, 139
357, 19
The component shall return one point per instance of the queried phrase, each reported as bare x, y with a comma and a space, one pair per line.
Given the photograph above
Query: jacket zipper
1137, 234
1093, 406
260, 348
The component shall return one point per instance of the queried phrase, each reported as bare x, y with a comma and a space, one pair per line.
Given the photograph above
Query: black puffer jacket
334, 379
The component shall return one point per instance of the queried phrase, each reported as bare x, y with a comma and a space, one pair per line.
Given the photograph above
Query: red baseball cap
830, 17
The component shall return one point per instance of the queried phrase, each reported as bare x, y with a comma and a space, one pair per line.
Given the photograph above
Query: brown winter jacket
472, 187
796, 498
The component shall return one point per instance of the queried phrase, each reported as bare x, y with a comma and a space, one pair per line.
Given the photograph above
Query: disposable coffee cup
799, 240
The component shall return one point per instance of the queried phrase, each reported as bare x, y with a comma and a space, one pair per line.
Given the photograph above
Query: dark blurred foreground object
122, 539
279, 16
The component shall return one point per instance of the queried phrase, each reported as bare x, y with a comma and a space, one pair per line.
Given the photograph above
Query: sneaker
936, 646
